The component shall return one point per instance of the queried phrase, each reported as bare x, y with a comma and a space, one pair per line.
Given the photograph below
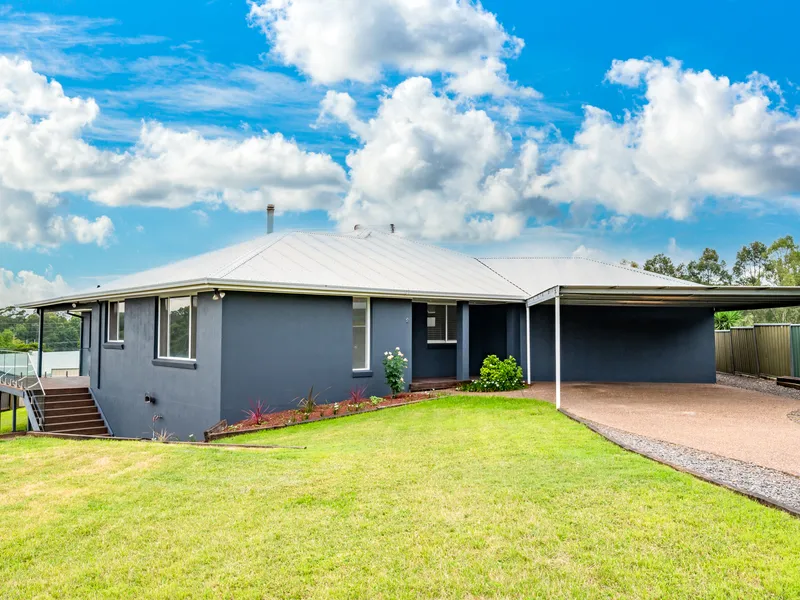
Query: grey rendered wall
635, 344
430, 360
275, 347
86, 344
187, 399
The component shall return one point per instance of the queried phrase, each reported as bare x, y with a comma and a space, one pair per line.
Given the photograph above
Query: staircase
70, 410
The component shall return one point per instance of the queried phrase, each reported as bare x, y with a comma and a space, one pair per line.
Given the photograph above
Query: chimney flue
391, 227
270, 217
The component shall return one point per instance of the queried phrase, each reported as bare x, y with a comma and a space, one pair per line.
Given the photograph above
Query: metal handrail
27, 381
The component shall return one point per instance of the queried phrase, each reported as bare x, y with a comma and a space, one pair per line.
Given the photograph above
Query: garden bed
321, 412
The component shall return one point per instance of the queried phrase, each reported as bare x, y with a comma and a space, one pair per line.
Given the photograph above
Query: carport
664, 334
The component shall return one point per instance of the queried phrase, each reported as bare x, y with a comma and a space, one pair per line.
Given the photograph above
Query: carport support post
558, 352
528, 341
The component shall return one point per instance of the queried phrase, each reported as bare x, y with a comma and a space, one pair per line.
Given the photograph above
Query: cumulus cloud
434, 167
695, 136
43, 157
337, 40
24, 286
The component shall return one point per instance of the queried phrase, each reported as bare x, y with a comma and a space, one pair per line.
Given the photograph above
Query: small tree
394, 364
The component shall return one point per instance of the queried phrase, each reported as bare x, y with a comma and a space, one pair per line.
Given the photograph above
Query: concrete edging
749, 494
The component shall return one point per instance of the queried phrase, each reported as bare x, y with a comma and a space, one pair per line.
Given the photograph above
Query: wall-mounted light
74, 305
217, 294
149, 399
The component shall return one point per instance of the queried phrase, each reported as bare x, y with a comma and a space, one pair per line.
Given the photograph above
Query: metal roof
362, 261
382, 264
534, 275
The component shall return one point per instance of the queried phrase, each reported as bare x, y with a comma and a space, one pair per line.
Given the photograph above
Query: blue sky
204, 67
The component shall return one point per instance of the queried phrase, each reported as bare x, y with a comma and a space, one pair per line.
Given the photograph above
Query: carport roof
718, 298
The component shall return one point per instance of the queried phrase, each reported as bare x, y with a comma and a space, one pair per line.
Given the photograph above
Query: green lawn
6, 420
455, 498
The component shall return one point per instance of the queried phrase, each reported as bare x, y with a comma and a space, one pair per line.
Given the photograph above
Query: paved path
737, 423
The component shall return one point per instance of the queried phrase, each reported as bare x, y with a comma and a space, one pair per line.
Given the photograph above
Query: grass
6, 421
462, 497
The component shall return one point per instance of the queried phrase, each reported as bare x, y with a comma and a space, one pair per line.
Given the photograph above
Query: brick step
66, 397
68, 427
70, 410
60, 404
54, 420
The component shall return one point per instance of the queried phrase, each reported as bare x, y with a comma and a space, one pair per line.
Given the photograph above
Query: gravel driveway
732, 422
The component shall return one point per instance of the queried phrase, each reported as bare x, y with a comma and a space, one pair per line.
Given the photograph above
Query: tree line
756, 264
19, 331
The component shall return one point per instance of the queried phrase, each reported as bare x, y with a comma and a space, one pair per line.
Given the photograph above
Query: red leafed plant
357, 395
256, 415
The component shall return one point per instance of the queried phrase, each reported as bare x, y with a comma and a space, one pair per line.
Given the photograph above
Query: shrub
375, 400
394, 363
497, 376
357, 394
256, 415
309, 402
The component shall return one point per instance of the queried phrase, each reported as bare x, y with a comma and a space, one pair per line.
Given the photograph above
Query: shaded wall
275, 347
635, 344
121, 374
430, 360
86, 344
487, 334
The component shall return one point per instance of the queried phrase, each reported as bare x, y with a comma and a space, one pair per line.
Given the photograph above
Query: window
442, 323
361, 334
177, 327
116, 321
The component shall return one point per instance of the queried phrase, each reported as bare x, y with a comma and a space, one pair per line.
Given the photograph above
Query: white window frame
448, 307
367, 334
158, 331
114, 336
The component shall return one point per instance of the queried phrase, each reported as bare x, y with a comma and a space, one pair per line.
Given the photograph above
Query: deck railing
17, 371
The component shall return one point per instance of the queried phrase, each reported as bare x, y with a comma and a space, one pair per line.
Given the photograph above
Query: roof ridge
241, 260
521, 289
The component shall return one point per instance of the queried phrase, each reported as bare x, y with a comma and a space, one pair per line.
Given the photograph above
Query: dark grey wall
487, 334
188, 399
86, 344
274, 347
430, 360
636, 344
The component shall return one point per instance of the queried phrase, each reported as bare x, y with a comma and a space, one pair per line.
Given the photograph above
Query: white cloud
43, 158
24, 286
337, 40
695, 136
434, 168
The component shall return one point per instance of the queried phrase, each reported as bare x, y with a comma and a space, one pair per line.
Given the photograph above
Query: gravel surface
765, 386
777, 486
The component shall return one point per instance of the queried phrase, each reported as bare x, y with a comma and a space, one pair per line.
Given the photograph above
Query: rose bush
394, 365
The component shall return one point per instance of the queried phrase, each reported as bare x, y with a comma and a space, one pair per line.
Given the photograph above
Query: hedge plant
497, 376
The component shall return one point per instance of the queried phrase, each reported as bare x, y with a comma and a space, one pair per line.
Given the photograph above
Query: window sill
175, 364
362, 373
114, 346
441, 345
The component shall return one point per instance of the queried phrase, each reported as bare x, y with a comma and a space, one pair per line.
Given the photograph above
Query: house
202, 339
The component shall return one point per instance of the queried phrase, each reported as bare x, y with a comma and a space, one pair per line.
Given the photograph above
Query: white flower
405, 360
386, 354
402, 380
398, 348
399, 354
390, 357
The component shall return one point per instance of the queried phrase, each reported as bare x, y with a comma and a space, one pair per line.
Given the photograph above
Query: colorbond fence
761, 350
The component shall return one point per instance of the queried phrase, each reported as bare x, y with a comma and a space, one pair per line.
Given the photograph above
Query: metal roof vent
270, 217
